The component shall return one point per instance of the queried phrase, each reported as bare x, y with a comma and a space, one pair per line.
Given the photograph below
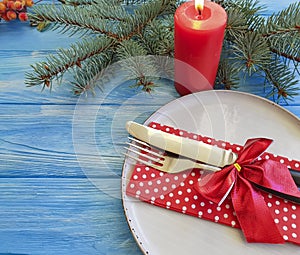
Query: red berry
23, 16
2, 7
4, 16
10, 4
17, 5
11, 15
29, 3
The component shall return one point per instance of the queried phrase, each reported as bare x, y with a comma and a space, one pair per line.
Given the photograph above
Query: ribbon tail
226, 194
253, 214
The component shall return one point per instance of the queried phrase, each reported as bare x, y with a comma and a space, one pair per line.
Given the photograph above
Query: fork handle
186, 147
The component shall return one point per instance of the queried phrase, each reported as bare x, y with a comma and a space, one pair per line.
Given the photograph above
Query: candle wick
199, 16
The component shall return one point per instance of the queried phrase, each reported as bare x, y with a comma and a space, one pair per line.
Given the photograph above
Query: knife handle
183, 146
296, 176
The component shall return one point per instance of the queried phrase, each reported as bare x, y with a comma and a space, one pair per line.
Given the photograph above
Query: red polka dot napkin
176, 191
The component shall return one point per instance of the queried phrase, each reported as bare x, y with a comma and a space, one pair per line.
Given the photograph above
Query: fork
165, 162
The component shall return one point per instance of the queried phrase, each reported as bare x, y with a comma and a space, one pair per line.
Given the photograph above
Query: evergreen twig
121, 29
258, 45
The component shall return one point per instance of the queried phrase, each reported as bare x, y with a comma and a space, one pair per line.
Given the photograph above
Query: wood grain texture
60, 155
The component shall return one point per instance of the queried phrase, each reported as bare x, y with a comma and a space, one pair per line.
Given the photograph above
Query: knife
186, 147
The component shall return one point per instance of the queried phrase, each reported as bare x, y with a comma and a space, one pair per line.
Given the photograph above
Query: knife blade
183, 146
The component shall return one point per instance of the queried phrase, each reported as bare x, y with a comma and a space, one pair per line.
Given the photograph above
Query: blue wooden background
60, 155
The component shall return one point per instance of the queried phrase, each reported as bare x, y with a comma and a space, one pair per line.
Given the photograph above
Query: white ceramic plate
226, 115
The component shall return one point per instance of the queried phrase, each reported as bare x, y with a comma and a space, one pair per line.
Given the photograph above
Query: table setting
150, 131
172, 191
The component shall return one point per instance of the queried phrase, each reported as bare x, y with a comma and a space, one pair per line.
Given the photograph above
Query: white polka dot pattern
176, 192
285, 216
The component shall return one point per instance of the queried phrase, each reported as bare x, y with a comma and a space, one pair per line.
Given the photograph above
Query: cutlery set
195, 150
172, 154
166, 162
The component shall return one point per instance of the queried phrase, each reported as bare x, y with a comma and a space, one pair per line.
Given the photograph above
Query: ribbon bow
242, 181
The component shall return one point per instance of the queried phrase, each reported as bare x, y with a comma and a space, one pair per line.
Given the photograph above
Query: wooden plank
43, 134
62, 216
16, 35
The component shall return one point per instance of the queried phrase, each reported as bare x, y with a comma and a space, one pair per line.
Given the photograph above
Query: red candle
199, 33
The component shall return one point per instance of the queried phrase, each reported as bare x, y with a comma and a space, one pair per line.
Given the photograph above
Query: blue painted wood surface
60, 193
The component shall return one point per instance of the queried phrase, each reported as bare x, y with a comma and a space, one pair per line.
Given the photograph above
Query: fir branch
286, 46
157, 37
76, 2
251, 53
243, 16
227, 77
92, 74
66, 20
253, 42
137, 66
282, 81
283, 32
90, 2
110, 12
134, 2
286, 21
56, 65
86, 19
144, 14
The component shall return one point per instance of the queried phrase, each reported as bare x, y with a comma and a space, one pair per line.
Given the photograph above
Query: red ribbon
241, 180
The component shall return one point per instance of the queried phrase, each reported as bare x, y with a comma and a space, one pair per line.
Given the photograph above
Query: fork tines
143, 153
